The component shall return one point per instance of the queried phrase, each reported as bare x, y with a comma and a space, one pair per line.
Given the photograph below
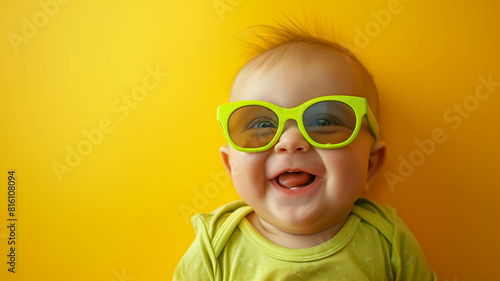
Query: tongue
294, 179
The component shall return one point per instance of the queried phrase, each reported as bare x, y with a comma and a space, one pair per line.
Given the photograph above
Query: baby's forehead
310, 62
298, 53
306, 61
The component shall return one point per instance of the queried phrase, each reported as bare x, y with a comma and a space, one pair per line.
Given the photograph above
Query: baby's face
330, 179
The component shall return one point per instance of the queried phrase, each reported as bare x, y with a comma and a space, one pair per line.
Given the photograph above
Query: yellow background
117, 214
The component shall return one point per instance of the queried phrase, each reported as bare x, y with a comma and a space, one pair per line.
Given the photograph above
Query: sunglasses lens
252, 126
329, 122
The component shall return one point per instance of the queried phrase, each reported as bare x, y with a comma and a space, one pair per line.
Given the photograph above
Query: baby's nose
291, 139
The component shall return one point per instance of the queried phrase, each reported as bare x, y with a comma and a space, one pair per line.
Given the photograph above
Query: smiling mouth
295, 180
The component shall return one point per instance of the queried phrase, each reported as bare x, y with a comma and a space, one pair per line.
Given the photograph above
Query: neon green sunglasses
326, 122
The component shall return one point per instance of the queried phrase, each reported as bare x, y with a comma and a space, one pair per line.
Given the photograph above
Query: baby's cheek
248, 173
243, 164
235, 162
347, 171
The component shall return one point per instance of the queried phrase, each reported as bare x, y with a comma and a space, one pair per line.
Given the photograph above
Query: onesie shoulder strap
227, 228
382, 218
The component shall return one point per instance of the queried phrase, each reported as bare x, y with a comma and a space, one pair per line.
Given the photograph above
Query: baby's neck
291, 240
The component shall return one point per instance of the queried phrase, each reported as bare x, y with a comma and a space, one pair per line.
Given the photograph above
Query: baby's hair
266, 45
261, 38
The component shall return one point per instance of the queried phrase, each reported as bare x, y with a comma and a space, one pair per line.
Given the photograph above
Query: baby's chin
296, 234
305, 221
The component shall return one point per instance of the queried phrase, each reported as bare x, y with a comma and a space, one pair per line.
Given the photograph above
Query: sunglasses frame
358, 104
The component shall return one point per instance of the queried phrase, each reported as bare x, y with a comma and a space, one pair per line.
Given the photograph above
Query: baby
302, 148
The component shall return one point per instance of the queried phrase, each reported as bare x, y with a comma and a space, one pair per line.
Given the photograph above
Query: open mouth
295, 180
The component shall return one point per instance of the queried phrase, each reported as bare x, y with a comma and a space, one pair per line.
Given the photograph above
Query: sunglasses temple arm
372, 122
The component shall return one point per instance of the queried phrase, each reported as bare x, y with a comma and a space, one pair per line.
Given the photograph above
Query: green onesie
373, 244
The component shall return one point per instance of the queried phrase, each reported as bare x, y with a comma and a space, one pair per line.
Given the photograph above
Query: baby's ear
224, 154
376, 160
